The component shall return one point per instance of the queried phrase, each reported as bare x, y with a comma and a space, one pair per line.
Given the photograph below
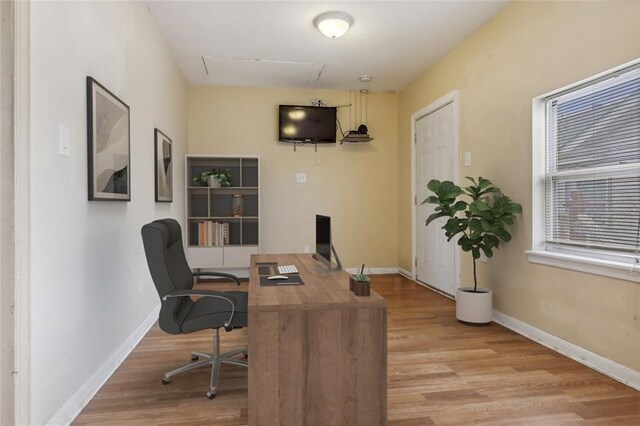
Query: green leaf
434, 216
484, 183
460, 205
489, 190
506, 220
491, 241
514, 208
465, 243
475, 225
486, 226
434, 185
452, 224
503, 235
432, 199
445, 192
487, 251
481, 206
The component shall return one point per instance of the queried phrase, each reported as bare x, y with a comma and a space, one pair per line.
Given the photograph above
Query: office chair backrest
169, 269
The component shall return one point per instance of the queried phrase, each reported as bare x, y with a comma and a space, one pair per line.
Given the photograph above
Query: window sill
588, 265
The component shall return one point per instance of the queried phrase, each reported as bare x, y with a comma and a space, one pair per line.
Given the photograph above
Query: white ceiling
392, 41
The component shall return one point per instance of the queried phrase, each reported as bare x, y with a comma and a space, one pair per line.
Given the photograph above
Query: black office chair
178, 312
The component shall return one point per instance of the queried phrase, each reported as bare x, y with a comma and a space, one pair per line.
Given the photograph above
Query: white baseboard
81, 398
433, 289
373, 271
592, 360
405, 273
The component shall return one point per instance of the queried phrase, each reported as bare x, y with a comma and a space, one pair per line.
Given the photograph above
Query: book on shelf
213, 234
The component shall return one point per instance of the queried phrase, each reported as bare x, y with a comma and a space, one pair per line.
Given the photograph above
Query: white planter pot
213, 182
473, 307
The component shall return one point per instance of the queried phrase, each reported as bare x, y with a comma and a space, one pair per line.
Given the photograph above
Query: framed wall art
163, 160
109, 144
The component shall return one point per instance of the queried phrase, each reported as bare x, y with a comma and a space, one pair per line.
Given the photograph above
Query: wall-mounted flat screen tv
312, 124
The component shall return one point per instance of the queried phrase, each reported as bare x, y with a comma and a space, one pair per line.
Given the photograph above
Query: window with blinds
592, 174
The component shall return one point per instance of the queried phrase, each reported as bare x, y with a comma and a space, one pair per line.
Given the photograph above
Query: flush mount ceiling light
333, 24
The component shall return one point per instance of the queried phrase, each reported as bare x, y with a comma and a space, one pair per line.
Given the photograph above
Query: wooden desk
317, 352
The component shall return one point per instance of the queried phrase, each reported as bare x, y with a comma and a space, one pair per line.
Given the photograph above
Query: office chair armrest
217, 274
208, 293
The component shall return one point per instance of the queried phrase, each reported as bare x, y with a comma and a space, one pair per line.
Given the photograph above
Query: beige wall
354, 183
528, 50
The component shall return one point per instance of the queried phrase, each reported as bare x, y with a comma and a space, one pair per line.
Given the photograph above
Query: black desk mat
294, 279
266, 269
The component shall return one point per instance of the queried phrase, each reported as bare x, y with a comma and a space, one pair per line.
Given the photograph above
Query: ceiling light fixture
366, 78
333, 24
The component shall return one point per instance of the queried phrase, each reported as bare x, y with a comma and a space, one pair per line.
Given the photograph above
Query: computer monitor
323, 239
324, 247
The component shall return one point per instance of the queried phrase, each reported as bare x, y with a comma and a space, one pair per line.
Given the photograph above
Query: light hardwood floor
439, 372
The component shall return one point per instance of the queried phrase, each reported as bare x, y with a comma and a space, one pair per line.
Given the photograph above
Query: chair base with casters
215, 359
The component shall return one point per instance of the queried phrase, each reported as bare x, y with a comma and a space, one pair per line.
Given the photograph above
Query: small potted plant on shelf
482, 224
214, 178
360, 283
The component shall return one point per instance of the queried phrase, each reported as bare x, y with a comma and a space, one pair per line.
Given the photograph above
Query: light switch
301, 178
64, 140
467, 158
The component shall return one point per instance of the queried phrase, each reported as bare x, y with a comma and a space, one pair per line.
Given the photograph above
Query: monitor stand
328, 267
338, 264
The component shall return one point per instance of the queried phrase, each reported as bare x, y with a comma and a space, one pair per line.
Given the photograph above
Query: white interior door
435, 159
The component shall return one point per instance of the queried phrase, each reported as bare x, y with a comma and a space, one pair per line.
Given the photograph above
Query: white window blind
592, 176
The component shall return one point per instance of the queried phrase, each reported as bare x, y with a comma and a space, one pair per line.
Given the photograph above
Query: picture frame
163, 166
108, 144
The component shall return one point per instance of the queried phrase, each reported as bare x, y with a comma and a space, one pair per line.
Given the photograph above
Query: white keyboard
287, 269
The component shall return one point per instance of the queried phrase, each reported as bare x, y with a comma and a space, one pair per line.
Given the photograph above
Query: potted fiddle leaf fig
479, 215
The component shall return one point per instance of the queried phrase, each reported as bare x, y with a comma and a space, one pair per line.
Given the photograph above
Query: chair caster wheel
194, 357
211, 395
165, 381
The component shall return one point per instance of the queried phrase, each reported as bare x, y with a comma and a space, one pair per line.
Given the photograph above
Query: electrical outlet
301, 178
306, 248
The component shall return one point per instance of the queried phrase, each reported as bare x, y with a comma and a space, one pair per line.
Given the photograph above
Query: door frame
22, 219
449, 98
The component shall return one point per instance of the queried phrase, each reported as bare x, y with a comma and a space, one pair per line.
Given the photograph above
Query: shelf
228, 245
355, 138
228, 188
223, 218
